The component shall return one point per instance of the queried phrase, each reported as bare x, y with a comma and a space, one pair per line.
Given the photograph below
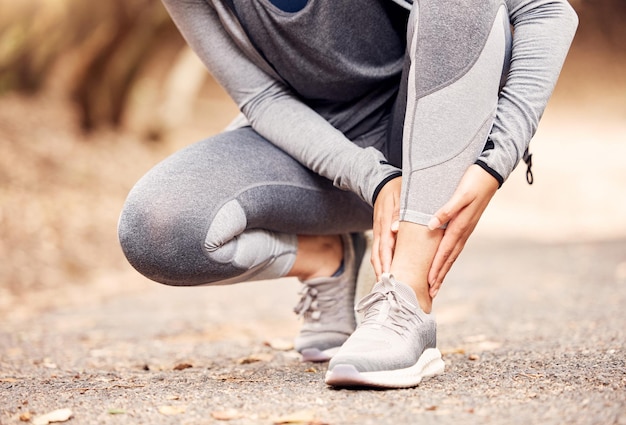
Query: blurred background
92, 94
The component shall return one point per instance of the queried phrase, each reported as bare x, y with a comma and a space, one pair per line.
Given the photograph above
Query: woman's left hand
462, 213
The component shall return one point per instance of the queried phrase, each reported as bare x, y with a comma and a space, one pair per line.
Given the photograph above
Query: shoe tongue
389, 283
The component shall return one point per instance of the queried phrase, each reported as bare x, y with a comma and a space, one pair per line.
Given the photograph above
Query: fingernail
434, 223
395, 226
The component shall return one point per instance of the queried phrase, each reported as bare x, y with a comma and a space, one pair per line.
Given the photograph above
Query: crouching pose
396, 116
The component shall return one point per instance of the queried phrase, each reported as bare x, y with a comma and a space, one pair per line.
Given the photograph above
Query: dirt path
538, 340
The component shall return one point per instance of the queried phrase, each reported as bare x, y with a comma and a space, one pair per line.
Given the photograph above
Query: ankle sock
339, 270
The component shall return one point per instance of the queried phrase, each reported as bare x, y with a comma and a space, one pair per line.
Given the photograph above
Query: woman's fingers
448, 251
386, 212
461, 213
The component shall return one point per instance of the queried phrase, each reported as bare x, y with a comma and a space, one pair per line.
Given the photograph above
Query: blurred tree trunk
107, 42
29, 46
105, 80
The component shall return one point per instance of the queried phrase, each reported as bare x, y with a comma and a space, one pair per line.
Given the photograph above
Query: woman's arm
271, 108
543, 33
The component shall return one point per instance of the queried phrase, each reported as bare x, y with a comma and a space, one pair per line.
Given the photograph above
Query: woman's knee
162, 244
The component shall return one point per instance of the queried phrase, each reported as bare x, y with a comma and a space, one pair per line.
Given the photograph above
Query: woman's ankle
414, 252
318, 256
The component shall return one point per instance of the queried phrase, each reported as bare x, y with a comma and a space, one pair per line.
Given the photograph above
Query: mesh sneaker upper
394, 331
327, 304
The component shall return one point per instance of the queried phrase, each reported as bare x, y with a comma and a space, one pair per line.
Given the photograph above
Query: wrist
383, 183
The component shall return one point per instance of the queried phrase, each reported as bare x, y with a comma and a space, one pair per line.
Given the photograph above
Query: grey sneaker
327, 306
394, 346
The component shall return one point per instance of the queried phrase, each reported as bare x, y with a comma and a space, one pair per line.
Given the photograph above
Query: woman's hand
462, 213
385, 226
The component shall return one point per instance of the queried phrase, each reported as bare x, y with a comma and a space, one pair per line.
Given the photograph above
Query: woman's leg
456, 51
456, 67
235, 208
228, 209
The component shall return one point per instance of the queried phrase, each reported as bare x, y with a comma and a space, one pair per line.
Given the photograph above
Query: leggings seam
235, 196
466, 69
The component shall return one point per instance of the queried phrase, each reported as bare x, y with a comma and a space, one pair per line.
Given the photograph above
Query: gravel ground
537, 339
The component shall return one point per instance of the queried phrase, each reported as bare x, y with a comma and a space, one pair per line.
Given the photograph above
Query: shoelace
393, 312
313, 301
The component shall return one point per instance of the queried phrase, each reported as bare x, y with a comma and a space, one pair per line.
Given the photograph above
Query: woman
356, 115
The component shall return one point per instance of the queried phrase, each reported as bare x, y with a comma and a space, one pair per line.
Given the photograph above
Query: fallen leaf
457, 350
182, 366
172, 410
25, 417
299, 417
311, 370
60, 415
431, 408
173, 397
226, 415
254, 358
280, 344
473, 357
8, 380
115, 411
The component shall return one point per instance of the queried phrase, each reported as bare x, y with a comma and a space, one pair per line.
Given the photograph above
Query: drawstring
528, 159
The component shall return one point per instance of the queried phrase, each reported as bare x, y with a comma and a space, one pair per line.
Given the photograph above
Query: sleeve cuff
383, 183
491, 171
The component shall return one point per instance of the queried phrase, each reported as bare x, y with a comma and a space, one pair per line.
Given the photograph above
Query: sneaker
327, 306
393, 347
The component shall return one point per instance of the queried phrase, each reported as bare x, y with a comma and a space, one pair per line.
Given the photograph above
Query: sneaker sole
429, 364
318, 356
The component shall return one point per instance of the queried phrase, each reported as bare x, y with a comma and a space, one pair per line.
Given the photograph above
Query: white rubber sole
316, 355
429, 364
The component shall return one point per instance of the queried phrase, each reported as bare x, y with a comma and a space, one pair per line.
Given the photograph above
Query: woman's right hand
385, 226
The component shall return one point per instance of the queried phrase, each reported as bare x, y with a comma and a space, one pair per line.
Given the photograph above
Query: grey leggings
228, 209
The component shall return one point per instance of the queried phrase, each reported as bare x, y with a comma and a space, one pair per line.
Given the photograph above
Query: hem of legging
491, 171
415, 217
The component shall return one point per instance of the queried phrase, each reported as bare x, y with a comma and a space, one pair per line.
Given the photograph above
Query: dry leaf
226, 415
172, 410
280, 344
25, 417
8, 380
173, 397
182, 366
60, 415
114, 411
254, 358
311, 370
457, 350
299, 417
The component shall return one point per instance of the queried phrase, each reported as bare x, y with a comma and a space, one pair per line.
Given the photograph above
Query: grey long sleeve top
543, 31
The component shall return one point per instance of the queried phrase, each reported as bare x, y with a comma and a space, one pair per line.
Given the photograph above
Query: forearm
543, 32
308, 137
271, 107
